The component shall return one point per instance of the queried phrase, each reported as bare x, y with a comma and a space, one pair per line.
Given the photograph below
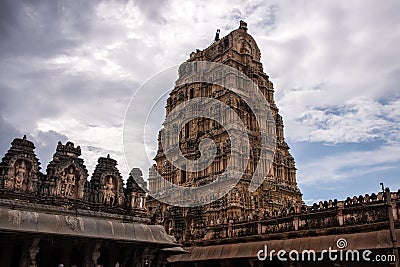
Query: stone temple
231, 230
279, 190
61, 215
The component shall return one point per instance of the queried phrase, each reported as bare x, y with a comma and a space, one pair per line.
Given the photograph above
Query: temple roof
37, 222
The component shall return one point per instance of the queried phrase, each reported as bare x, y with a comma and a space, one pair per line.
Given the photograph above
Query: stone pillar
30, 250
33, 251
394, 211
95, 253
296, 223
230, 230
340, 213
144, 202
92, 254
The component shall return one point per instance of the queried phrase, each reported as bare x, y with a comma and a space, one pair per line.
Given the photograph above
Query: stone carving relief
74, 223
68, 180
109, 191
137, 200
135, 195
65, 183
20, 176
69, 184
245, 47
19, 168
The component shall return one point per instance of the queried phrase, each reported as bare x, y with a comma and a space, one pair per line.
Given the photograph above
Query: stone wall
357, 214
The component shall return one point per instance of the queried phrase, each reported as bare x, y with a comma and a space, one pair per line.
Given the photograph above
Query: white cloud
357, 120
344, 165
332, 55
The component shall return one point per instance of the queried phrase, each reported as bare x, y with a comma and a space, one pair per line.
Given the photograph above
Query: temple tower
66, 174
279, 190
20, 169
134, 194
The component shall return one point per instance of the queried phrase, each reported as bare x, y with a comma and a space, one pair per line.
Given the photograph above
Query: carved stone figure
69, 181
57, 187
20, 175
109, 194
192, 228
19, 168
66, 173
107, 184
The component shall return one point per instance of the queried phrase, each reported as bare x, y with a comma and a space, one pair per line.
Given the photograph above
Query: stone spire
239, 50
19, 168
243, 25
106, 184
135, 195
66, 173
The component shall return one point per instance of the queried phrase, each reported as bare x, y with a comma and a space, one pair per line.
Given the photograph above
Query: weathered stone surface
279, 190
106, 185
135, 195
20, 168
84, 226
76, 222
66, 174
66, 184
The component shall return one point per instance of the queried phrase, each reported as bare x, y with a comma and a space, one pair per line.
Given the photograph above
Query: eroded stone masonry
230, 231
66, 180
279, 190
62, 217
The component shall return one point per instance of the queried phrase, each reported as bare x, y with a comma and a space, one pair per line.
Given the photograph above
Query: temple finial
243, 25
217, 35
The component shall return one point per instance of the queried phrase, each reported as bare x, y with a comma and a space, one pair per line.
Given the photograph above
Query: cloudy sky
69, 68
